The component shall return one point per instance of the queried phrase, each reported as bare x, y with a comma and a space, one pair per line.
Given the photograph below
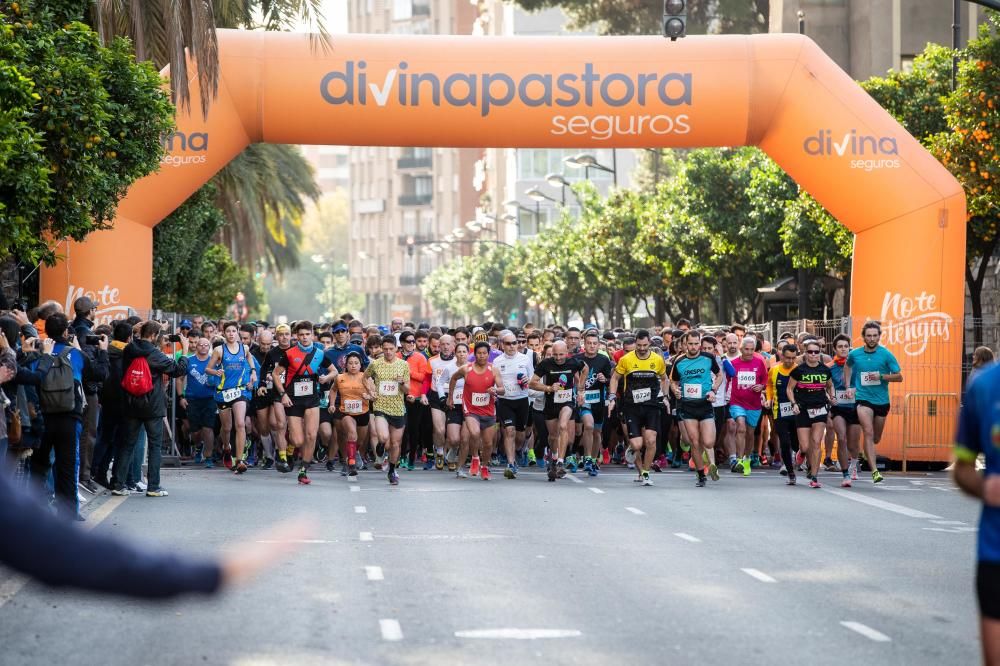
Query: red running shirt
476, 398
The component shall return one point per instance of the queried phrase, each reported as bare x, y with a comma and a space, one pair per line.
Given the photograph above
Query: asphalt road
446, 571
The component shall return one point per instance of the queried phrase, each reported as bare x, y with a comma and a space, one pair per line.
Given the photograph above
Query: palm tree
263, 191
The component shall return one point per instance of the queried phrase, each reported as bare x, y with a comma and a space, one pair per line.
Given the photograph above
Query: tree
179, 244
79, 124
642, 17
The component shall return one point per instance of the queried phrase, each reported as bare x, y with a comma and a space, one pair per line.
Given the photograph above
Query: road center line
573, 478
374, 573
687, 537
638, 512
366, 536
882, 504
866, 631
360, 509
518, 634
596, 491
391, 630
355, 489
759, 575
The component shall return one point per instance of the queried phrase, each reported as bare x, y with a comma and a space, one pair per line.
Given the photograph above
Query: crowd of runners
468, 401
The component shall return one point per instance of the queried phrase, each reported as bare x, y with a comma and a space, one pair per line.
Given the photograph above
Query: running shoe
560, 469
438, 461
846, 483
241, 468
251, 455
791, 480
140, 486
510, 472
158, 492
484, 472
783, 471
459, 474
198, 458
799, 459
700, 483
552, 472
209, 463
282, 466
588, 465
646, 481
656, 466
754, 460
629, 457
304, 478
378, 463
571, 463
430, 464
352, 470
814, 483
605, 456
828, 464
876, 476
121, 492
854, 469
474, 467
268, 463
379, 450
685, 456
764, 461
594, 469
344, 469
736, 467
393, 478
691, 464
329, 465
495, 460
452, 467
227, 457
713, 471
532, 460
747, 464
676, 462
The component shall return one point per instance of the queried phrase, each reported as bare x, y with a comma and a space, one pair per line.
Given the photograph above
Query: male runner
745, 398
389, 382
783, 409
263, 402
559, 377
868, 371
694, 378
644, 375
237, 377
446, 423
279, 421
512, 408
845, 413
197, 391
595, 400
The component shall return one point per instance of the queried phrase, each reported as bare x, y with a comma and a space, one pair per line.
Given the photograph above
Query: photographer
83, 327
64, 369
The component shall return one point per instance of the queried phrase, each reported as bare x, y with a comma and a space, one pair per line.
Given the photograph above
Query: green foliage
179, 246
643, 17
80, 123
482, 285
915, 98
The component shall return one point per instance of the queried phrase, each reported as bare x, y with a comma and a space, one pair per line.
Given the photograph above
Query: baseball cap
339, 326
480, 336
283, 328
185, 323
357, 339
83, 305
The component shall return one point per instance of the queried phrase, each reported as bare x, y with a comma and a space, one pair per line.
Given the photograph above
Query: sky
335, 13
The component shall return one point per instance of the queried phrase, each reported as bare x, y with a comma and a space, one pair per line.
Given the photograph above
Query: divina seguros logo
181, 142
867, 152
487, 91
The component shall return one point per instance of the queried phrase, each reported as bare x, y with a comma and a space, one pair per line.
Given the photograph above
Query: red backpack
137, 380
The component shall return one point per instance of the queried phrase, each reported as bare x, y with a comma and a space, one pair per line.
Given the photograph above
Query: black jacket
154, 405
82, 327
112, 394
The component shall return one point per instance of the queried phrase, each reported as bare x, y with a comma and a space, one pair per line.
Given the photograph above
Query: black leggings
541, 433
413, 434
788, 439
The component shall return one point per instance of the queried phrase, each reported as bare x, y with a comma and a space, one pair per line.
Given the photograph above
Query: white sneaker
80, 498
140, 486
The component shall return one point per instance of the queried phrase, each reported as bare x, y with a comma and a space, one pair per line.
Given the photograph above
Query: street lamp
587, 161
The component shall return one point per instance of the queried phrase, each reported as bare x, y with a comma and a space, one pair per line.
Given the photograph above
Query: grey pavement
746, 571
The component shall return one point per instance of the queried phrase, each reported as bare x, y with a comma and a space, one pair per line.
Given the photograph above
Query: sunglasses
812, 351
522, 341
408, 342
508, 342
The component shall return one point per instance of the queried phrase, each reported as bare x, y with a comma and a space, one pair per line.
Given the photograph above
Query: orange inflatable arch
778, 92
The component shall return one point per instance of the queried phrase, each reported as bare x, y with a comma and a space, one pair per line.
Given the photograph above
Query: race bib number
388, 388
480, 399
229, 395
560, 397
352, 406
746, 378
592, 397
644, 395
458, 394
871, 378
269, 382
692, 391
303, 388
843, 398
785, 409
816, 412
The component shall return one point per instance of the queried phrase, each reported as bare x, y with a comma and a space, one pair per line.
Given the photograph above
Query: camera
173, 337
93, 340
20, 304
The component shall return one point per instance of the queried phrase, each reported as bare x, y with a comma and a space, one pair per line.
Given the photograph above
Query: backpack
137, 380
58, 389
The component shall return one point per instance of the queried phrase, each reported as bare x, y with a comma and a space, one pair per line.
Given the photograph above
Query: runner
512, 409
328, 447
237, 377
445, 432
349, 397
643, 375
417, 410
810, 388
745, 398
300, 367
197, 391
389, 381
558, 377
279, 422
482, 384
875, 367
263, 402
594, 411
695, 377
845, 413
782, 408
336, 353
724, 422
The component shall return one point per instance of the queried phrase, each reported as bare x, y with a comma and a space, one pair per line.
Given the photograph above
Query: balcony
410, 280
415, 162
415, 199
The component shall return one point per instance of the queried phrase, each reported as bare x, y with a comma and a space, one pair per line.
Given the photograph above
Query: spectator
83, 328
111, 437
981, 357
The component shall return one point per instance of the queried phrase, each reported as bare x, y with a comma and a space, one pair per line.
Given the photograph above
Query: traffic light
674, 19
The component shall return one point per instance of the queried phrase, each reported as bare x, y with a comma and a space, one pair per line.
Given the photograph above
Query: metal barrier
928, 422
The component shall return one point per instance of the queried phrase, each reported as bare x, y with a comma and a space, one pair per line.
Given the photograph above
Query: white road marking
952, 530
518, 634
10, 587
391, 630
759, 575
360, 509
366, 536
948, 522
596, 491
573, 478
687, 537
442, 537
295, 541
882, 504
374, 573
943, 489
866, 631
638, 512
355, 489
